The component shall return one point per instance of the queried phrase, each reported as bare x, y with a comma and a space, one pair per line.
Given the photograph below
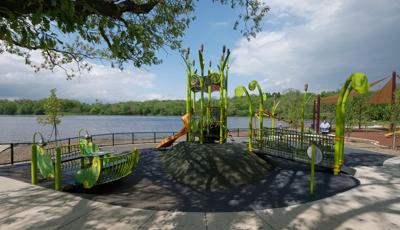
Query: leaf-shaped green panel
215, 78
239, 91
88, 176
359, 82
253, 85
45, 164
194, 80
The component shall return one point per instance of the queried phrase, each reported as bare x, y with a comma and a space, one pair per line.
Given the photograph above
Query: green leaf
240, 90
252, 85
359, 82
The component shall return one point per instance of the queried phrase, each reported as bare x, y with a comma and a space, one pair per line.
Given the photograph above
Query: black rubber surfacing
148, 187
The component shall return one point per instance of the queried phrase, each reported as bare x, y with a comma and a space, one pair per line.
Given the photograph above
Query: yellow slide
391, 134
171, 139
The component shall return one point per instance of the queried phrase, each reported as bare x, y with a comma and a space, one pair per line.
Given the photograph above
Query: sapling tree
52, 111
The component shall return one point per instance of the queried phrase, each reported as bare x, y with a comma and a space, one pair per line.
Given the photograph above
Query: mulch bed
376, 135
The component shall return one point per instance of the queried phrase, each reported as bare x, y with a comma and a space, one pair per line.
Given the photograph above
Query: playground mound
213, 167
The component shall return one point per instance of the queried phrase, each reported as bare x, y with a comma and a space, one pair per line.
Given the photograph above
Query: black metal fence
290, 144
21, 152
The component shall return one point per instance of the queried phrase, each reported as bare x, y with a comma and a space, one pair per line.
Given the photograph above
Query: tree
118, 31
52, 108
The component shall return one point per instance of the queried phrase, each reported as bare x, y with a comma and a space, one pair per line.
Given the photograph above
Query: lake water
21, 128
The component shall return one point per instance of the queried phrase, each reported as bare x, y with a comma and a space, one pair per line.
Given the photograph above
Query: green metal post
226, 103
239, 91
221, 107
359, 82
202, 110
201, 60
188, 90
57, 169
312, 169
252, 86
209, 110
34, 165
302, 115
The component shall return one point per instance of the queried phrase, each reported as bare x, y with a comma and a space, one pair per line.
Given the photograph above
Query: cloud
321, 43
107, 84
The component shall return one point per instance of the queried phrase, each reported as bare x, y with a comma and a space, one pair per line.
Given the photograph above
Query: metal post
113, 139
57, 170
34, 165
393, 102
69, 145
318, 112
312, 169
313, 114
12, 153
154, 139
133, 138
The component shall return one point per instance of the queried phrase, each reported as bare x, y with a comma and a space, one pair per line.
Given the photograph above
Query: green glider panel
45, 164
88, 176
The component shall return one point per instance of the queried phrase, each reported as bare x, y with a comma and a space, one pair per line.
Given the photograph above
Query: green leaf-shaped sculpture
252, 86
359, 82
239, 91
45, 164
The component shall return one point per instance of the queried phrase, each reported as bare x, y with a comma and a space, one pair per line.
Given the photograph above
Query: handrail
104, 134
111, 138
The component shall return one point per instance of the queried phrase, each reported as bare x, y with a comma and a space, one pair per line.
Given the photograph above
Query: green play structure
84, 162
208, 120
293, 144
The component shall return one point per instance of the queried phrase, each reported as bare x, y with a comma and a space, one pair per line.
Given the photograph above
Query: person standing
325, 127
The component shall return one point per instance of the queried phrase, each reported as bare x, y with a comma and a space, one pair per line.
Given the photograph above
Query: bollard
57, 176
34, 165
312, 169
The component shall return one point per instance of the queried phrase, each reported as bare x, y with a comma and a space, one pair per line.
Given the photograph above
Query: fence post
154, 133
34, 165
133, 138
57, 170
12, 153
238, 132
69, 145
113, 139
312, 169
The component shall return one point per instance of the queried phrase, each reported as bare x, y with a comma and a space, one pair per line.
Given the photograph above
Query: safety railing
16, 152
291, 144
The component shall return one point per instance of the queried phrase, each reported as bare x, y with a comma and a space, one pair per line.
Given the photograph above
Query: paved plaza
374, 204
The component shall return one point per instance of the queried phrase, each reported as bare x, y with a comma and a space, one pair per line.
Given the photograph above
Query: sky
319, 42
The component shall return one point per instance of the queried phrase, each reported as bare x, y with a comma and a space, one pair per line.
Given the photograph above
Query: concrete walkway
375, 204
3, 147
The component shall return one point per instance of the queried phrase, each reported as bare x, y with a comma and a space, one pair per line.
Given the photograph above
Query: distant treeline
289, 107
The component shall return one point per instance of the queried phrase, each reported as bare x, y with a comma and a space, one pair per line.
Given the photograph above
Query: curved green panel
360, 82
194, 80
45, 164
215, 78
88, 176
87, 147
